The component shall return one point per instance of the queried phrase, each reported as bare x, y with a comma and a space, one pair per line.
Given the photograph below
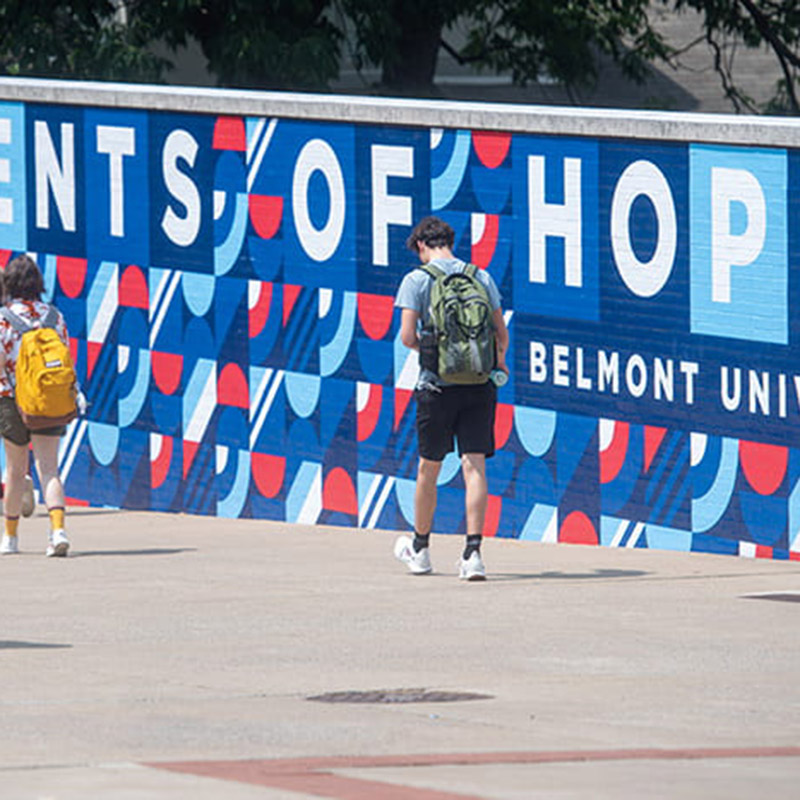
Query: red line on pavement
316, 776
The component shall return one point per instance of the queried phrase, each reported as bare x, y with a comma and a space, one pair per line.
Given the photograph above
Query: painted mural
229, 281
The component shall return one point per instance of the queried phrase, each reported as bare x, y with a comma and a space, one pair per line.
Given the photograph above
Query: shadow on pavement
10, 645
597, 574
83, 511
146, 551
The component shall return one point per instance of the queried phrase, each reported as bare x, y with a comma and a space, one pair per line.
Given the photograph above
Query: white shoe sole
58, 551
402, 552
469, 571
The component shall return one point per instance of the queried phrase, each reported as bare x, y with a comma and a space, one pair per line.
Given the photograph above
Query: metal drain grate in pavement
782, 597
398, 696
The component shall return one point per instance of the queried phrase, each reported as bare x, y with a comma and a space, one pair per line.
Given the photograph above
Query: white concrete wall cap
512, 118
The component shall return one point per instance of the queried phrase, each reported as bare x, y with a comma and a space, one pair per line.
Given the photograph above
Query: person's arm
501, 338
408, 328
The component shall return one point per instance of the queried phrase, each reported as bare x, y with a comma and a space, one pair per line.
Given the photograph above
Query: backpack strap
14, 320
21, 325
470, 270
431, 270
50, 318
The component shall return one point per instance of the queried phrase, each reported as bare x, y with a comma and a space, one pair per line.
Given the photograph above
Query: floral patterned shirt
32, 311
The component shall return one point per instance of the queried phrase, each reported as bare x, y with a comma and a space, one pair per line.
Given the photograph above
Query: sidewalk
172, 657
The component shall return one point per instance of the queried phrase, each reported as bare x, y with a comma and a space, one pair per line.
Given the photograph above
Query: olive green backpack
460, 324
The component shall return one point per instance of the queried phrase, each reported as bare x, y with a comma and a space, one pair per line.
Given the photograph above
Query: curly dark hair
23, 279
432, 232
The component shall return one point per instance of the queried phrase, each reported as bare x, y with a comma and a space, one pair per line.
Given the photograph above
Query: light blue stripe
299, 491
537, 523
232, 505
130, 406
708, 509
445, 186
333, 353
226, 253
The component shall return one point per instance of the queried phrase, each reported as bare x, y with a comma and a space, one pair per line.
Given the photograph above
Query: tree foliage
526, 38
299, 44
266, 44
563, 40
403, 37
774, 24
79, 39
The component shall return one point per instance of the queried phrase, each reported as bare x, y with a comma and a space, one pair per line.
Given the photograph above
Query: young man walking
447, 412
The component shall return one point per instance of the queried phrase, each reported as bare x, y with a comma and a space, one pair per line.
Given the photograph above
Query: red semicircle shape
764, 465
339, 494
232, 389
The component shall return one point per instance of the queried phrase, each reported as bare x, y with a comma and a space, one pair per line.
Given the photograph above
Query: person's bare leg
16, 469
425, 495
45, 453
414, 553
473, 466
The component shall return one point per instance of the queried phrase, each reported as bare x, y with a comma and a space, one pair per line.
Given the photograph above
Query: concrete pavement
172, 657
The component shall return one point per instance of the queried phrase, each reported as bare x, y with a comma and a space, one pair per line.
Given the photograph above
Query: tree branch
464, 60
784, 54
686, 48
731, 92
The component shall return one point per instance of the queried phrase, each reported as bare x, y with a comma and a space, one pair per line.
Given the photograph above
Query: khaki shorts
13, 429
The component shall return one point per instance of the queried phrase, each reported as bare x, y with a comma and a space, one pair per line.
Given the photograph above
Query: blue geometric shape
104, 441
708, 509
542, 518
198, 292
131, 405
232, 504
302, 391
444, 186
304, 500
227, 252
765, 518
660, 538
535, 428
333, 350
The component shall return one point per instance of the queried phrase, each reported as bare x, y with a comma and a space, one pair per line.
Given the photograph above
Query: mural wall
228, 283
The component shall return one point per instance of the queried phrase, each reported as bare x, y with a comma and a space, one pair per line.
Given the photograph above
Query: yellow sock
12, 523
56, 518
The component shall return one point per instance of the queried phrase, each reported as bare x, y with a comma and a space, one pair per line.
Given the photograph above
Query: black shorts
461, 413
13, 428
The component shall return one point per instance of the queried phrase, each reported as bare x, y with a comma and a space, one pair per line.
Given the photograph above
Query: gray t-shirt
415, 293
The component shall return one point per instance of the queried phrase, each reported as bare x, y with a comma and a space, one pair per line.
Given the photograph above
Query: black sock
420, 541
473, 545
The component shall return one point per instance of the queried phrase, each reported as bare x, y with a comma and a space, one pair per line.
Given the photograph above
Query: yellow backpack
46, 384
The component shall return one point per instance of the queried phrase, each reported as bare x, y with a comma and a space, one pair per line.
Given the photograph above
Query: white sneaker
9, 545
58, 544
417, 563
472, 569
28, 500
